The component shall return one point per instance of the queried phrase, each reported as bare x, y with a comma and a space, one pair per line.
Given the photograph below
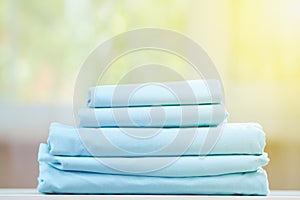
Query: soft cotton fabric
230, 138
157, 116
168, 93
184, 166
154, 138
52, 180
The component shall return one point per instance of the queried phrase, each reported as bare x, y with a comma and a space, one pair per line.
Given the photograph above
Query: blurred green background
254, 44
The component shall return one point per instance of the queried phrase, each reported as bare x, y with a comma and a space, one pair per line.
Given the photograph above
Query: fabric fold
230, 138
146, 94
153, 116
184, 166
52, 180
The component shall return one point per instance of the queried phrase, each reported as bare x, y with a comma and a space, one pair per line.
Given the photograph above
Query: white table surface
28, 194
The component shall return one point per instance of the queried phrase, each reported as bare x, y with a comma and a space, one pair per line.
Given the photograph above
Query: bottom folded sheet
52, 180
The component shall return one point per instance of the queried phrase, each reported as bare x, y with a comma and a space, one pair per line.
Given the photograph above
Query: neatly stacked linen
144, 139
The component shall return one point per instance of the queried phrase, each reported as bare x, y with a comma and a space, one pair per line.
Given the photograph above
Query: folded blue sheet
168, 93
234, 138
157, 116
185, 166
52, 180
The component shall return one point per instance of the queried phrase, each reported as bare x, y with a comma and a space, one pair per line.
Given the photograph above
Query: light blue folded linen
184, 166
234, 138
167, 93
52, 180
157, 116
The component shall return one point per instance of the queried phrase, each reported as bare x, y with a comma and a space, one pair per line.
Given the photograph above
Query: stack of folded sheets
153, 141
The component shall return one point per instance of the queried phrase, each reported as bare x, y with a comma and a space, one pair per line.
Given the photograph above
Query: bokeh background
255, 45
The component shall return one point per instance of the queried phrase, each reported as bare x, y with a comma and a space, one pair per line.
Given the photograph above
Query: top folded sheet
148, 94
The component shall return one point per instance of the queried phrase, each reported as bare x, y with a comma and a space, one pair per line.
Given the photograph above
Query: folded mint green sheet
52, 180
234, 138
168, 93
184, 166
157, 116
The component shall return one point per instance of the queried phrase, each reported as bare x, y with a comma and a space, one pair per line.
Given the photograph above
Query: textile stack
154, 138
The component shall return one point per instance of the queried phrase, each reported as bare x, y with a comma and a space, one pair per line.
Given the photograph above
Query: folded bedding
154, 138
231, 138
153, 116
168, 93
52, 180
184, 166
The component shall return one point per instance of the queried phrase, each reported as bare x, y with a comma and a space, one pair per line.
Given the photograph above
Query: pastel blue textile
157, 116
185, 166
233, 138
52, 180
168, 93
